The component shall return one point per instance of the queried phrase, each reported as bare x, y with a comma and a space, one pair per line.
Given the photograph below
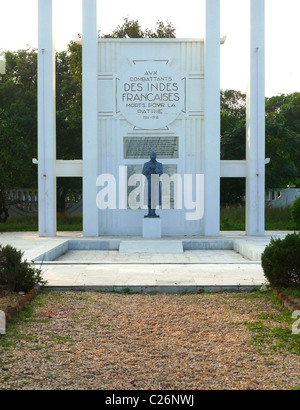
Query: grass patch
273, 331
27, 315
28, 224
65, 222
268, 338
62, 339
276, 219
232, 219
279, 219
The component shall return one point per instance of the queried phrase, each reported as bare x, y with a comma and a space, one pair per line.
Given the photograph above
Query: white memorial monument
145, 95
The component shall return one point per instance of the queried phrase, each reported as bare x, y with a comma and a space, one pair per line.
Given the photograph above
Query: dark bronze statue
152, 171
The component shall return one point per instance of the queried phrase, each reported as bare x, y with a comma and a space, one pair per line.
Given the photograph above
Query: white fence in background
21, 195
26, 200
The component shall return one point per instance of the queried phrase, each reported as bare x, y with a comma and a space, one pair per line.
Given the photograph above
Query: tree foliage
132, 29
18, 120
283, 140
295, 212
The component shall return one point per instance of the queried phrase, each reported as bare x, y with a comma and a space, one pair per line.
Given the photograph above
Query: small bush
281, 262
295, 212
16, 274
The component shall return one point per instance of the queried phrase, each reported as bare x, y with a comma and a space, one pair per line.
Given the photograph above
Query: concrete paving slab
153, 275
156, 246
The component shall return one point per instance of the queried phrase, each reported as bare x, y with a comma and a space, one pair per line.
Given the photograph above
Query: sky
19, 25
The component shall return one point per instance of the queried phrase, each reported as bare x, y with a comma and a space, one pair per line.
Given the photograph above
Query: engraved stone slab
140, 147
151, 94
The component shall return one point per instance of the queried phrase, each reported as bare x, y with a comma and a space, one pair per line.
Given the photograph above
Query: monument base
151, 227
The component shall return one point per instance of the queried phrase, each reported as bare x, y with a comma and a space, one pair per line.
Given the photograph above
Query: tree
233, 143
68, 117
18, 124
68, 108
233, 125
233, 103
132, 29
283, 140
18, 120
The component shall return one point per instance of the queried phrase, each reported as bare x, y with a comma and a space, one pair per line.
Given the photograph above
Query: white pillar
46, 121
212, 119
90, 117
255, 139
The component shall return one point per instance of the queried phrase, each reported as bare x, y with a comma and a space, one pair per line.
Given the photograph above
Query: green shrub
295, 212
281, 262
16, 274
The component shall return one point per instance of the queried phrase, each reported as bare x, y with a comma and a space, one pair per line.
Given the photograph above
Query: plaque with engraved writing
141, 147
150, 94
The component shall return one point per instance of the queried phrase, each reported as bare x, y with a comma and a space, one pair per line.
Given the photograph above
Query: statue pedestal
151, 228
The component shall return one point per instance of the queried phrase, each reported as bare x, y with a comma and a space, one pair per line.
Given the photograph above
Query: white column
255, 139
90, 117
46, 121
212, 119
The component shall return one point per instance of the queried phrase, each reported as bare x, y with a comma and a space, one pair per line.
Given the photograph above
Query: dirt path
89, 340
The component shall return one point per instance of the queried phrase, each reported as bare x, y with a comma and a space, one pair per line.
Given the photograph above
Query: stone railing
27, 199
24, 199
17, 196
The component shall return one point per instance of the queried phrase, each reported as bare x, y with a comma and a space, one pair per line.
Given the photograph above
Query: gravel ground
109, 341
8, 299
